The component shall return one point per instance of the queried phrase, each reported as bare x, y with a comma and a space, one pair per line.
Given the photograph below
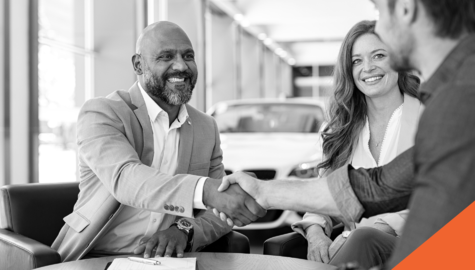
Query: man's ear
407, 11
137, 64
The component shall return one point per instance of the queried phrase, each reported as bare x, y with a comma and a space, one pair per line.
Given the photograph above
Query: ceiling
310, 31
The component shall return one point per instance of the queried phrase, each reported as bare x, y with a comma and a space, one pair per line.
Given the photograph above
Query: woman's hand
169, 241
318, 244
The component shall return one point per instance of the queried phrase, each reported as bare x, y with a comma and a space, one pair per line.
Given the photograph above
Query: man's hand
234, 202
247, 181
318, 244
250, 184
169, 241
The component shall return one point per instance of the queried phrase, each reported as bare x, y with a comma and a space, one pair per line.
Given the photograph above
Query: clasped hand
232, 202
251, 186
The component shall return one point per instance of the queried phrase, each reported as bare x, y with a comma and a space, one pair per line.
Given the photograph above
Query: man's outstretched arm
382, 189
346, 193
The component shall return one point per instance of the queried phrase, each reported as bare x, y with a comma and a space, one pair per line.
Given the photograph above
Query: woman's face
371, 71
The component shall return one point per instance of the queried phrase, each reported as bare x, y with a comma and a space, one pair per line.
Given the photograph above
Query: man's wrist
261, 191
188, 236
210, 190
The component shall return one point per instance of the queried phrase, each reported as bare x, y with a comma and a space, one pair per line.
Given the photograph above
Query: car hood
269, 150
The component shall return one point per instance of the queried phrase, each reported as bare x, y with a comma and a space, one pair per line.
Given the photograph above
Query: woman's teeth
372, 79
174, 80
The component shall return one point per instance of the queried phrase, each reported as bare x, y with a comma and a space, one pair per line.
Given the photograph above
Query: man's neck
171, 110
430, 52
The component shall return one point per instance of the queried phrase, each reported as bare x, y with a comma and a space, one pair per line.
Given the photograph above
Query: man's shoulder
118, 101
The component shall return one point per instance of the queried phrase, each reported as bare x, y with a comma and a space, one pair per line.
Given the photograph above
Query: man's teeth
174, 80
372, 79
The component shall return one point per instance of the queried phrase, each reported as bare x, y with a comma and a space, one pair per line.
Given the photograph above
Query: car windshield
278, 117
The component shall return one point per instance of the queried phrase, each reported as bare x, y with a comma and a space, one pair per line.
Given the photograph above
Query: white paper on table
166, 263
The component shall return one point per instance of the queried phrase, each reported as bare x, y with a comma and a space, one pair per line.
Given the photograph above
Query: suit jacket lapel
142, 115
185, 147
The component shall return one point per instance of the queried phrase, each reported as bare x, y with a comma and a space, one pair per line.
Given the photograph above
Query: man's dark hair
452, 18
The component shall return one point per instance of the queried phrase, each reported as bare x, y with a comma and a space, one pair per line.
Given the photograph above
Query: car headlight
306, 170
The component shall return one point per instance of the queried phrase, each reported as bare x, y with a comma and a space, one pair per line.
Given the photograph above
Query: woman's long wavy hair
347, 109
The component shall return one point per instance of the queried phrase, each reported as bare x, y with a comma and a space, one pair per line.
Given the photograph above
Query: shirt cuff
344, 196
198, 197
310, 219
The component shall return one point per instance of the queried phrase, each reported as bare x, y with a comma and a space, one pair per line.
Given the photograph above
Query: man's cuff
344, 196
198, 197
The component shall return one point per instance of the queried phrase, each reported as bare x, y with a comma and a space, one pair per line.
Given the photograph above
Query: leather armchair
293, 244
31, 217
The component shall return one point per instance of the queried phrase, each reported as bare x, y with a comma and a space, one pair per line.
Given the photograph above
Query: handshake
236, 199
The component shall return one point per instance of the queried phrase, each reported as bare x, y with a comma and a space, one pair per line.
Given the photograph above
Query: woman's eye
379, 55
356, 61
190, 56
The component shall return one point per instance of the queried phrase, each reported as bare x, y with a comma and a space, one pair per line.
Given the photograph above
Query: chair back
37, 210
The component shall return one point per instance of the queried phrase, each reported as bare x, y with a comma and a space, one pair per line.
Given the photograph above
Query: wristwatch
186, 227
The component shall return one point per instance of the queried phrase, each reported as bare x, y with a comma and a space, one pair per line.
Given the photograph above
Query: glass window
63, 73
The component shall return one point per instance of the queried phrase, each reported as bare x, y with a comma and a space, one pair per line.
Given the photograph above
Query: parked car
275, 139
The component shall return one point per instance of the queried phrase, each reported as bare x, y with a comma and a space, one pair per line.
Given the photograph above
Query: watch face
185, 224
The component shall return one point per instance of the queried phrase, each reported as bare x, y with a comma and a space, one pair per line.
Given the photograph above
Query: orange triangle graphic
452, 247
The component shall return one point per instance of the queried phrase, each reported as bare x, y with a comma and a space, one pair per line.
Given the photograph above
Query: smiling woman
372, 118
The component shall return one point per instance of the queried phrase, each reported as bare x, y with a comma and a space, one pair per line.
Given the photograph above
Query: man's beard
157, 87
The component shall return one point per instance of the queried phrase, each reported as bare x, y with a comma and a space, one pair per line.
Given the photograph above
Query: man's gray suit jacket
115, 145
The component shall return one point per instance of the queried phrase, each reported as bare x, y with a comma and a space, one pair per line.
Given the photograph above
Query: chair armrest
20, 252
233, 242
288, 245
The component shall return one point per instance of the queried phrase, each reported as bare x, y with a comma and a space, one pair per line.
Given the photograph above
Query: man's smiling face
168, 63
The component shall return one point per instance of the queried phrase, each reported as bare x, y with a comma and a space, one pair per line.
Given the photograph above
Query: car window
278, 117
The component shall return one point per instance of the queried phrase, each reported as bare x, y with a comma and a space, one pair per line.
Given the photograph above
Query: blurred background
260, 62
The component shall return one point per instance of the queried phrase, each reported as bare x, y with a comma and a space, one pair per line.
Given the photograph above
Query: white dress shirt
133, 224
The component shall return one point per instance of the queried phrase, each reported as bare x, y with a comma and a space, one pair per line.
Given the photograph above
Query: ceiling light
238, 17
291, 61
268, 41
262, 36
245, 23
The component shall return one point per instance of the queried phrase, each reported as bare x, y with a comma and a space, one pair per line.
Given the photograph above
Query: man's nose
179, 64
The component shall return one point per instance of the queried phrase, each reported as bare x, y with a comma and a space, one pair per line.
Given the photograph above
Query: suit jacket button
177, 208
182, 209
166, 207
172, 207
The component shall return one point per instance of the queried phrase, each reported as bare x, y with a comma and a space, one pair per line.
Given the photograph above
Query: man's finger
149, 246
222, 216
180, 249
238, 223
139, 249
230, 222
161, 248
170, 248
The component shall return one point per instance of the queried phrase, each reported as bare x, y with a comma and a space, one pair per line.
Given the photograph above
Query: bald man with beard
149, 162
